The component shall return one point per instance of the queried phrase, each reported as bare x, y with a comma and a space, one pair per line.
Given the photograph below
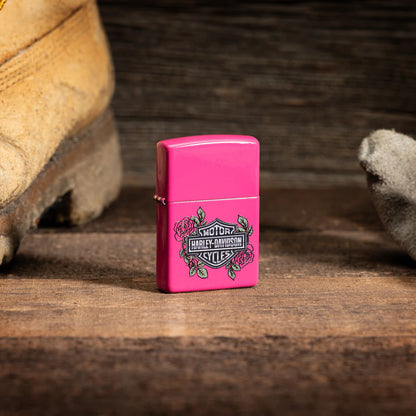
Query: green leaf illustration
227, 266
195, 220
231, 274
182, 253
201, 213
201, 263
241, 230
202, 273
236, 267
243, 221
203, 222
186, 260
250, 230
192, 271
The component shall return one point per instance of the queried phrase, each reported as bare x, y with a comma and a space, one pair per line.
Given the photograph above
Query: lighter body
207, 189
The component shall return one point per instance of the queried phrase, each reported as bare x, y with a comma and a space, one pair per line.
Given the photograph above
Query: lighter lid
207, 167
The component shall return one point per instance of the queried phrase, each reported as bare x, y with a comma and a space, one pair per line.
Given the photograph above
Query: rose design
187, 227
193, 263
183, 228
244, 257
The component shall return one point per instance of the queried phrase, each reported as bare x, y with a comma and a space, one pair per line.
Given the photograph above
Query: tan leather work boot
57, 135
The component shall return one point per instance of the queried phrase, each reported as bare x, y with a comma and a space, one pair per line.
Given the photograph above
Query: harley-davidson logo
215, 244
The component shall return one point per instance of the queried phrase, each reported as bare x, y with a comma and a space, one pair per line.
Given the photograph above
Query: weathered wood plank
329, 330
204, 376
326, 268
311, 283
309, 79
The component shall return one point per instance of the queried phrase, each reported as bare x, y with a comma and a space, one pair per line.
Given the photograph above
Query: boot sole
80, 180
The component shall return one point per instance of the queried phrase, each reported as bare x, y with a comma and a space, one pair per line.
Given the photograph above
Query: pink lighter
207, 189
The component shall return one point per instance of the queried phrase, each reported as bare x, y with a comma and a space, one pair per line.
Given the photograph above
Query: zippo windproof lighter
207, 189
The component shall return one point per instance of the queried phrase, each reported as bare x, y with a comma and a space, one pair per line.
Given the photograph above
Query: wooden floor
329, 330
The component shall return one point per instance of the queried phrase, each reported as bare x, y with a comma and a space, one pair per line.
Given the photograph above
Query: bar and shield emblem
216, 243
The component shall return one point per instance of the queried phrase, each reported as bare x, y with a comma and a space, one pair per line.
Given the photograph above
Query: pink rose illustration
193, 263
183, 228
244, 257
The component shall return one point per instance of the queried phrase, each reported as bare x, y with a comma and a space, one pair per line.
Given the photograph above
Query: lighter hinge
159, 199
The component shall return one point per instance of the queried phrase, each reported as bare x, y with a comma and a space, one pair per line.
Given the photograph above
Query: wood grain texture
206, 376
309, 79
329, 330
312, 284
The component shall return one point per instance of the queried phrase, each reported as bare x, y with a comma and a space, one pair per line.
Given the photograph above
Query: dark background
309, 79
